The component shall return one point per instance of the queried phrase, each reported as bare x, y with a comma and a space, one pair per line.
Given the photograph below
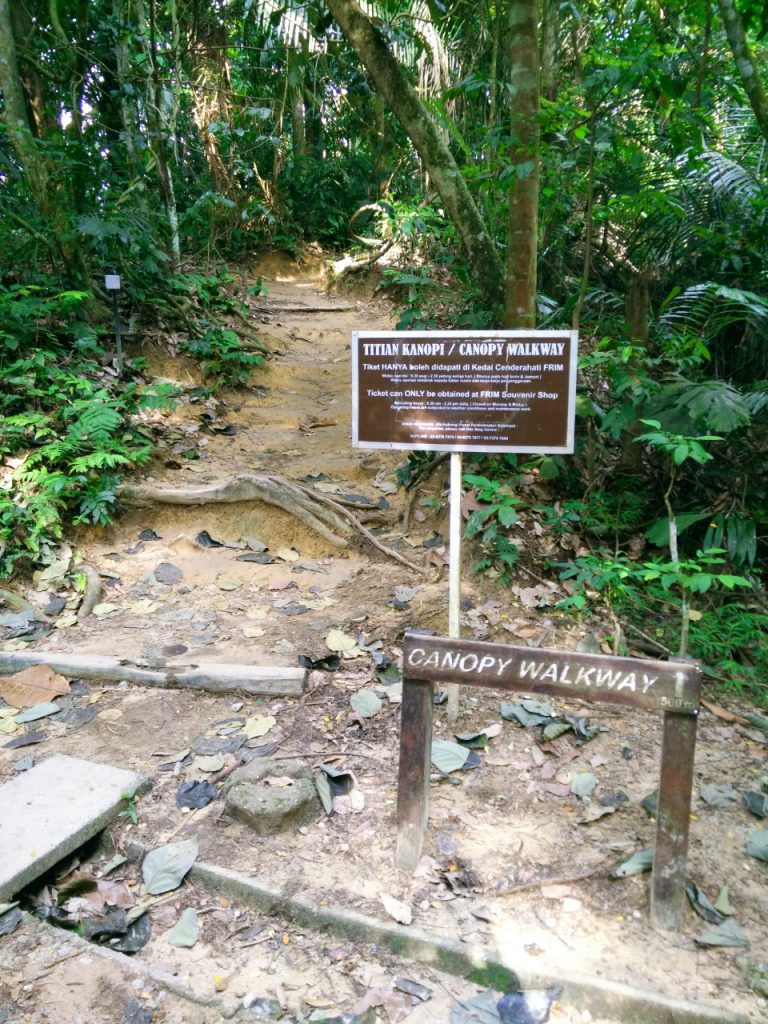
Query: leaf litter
36, 685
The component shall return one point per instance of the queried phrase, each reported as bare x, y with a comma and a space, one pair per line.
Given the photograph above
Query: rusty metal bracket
669, 687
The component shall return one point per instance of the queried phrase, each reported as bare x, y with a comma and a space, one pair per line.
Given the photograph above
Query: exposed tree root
323, 515
92, 592
14, 601
214, 677
276, 310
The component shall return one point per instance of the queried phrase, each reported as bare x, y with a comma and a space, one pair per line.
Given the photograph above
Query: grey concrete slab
51, 810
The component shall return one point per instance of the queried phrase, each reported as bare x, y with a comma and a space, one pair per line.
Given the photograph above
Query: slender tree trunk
550, 34
391, 81
522, 235
745, 63
210, 78
494, 75
298, 112
42, 184
704, 59
588, 224
156, 129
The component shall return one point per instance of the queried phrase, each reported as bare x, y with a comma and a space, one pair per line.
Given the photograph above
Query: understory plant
224, 361
70, 428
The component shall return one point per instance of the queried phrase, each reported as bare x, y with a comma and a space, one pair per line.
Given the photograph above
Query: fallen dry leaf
401, 912
258, 725
253, 632
36, 685
256, 612
104, 609
287, 554
111, 714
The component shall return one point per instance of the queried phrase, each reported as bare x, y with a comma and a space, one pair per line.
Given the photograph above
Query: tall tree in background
747, 66
393, 84
45, 183
522, 233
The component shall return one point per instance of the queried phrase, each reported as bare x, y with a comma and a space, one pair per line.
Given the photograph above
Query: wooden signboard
669, 687
470, 391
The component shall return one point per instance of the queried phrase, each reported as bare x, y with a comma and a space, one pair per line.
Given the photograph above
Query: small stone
270, 809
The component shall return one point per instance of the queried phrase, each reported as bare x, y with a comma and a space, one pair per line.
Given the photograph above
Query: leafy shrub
222, 357
490, 524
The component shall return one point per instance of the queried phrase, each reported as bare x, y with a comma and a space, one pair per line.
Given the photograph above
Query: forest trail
498, 834
294, 422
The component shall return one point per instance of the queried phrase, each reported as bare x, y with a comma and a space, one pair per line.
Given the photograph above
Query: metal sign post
454, 572
112, 284
670, 687
463, 391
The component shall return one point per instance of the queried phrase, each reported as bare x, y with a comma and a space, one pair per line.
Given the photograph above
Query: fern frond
98, 460
161, 395
95, 421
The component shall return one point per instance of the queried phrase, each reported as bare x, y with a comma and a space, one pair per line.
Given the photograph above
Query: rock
261, 1009
755, 974
272, 796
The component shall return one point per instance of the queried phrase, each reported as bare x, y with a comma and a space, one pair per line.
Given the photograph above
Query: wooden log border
672, 688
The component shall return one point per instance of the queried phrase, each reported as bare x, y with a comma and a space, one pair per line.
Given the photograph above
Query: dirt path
494, 833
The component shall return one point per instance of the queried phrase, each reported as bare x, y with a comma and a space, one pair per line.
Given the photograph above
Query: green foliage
131, 810
490, 524
678, 446
207, 289
611, 576
68, 430
731, 639
651, 592
224, 361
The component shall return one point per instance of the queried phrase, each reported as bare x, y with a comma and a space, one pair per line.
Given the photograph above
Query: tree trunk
210, 78
36, 89
391, 81
550, 33
42, 183
745, 63
298, 111
156, 126
522, 235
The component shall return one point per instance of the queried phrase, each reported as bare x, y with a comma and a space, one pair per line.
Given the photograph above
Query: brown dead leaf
469, 504
116, 894
437, 557
36, 685
555, 788
537, 756
721, 713
594, 813
524, 632
397, 1005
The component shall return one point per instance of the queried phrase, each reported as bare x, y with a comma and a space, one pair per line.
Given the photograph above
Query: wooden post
673, 820
454, 573
413, 777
